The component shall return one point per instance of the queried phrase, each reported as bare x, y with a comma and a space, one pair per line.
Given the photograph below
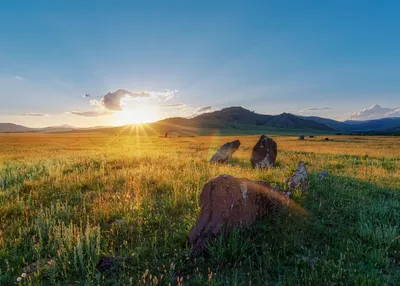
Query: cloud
176, 105
91, 113
375, 112
114, 100
204, 109
86, 95
192, 112
32, 114
316, 108
18, 77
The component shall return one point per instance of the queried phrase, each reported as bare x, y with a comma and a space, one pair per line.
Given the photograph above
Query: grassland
68, 200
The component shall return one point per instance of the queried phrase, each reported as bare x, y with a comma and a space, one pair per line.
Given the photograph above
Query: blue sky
268, 56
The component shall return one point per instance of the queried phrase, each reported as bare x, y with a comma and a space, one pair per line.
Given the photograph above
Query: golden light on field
136, 115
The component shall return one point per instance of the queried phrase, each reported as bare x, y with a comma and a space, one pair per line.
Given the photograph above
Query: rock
299, 180
228, 202
326, 139
224, 154
323, 175
264, 153
301, 137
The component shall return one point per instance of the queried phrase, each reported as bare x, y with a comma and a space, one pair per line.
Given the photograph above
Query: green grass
67, 201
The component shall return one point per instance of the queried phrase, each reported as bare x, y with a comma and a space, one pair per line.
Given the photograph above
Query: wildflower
23, 275
19, 279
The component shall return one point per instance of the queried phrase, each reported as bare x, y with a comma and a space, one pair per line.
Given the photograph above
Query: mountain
232, 116
287, 120
14, 128
383, 124
374, 125
233, 120
11, 127
337, 125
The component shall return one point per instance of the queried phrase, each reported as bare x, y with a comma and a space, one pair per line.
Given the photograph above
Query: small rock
301, 137
299, 180
224, 154
264, 153
326, 139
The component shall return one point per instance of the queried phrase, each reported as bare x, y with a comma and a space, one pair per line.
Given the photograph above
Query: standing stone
228, 202
225, 153
264, 153
301, 137
299, 180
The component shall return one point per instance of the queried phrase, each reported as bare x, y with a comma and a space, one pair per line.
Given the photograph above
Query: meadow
68, 201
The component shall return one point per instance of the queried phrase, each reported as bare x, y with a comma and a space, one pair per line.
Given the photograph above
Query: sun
136, 115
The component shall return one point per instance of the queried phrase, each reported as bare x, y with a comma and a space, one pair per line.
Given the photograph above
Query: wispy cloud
176, 105
32, 114
375, 112
316, 108
18, 77
204, 109
115, 100
91, 113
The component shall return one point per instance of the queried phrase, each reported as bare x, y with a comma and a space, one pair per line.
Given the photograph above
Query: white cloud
115, 100
375, 112
18, 77
316, 108
32, 114
176, 105
91, 113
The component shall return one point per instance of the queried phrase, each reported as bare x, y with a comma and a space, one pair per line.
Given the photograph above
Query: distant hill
11, 127
375, 125
337, 125
388, 125
14, 128
238, 116
234, 120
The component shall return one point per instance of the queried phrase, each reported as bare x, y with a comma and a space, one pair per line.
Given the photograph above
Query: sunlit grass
68, 200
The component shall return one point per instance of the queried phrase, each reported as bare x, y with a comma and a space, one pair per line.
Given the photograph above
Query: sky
89, 63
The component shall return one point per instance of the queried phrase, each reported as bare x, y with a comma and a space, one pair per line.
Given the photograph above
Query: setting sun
136, 115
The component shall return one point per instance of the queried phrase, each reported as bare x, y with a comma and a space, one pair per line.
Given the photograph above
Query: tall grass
68, 201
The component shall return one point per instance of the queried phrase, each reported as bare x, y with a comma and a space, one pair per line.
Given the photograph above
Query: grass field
68, 200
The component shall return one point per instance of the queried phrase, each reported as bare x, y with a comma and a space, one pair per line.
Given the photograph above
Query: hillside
11, 127
233, 120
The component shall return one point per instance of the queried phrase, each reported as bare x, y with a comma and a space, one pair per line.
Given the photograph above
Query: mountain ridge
239, 118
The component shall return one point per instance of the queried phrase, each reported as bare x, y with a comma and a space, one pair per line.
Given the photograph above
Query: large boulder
228, 202
264, 153
299, 180
224, 154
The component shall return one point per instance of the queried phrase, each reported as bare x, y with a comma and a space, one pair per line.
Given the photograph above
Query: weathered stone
301, 137
224, 154
299, 180
228, 202
326, 139
264, 153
